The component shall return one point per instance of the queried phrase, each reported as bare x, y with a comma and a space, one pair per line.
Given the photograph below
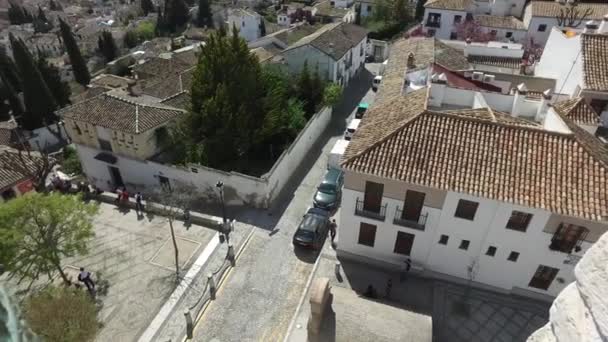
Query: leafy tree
17, 15
60, 89
309, 90
205, 17
358, 14
401, 11
130, 40
37, 97
79, 66
419, 9
159, 28
62, 314
147, 6
145, 31
71, 163
332, 94
9, 69
38, 230
107, 46
41, 23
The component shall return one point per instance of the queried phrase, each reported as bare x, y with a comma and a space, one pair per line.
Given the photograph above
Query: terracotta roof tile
553, 9
508, 22
333, 39
503, 62
169, 84
527, 166
578, 110
120, 114
458, 5
180, 101
595, 61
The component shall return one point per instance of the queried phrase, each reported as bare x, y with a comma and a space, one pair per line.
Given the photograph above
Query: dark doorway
404, 243
543, 277
116, 177
414, 201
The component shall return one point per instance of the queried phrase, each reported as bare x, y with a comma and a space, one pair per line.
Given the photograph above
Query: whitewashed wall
562, 61
447, 21
143, 175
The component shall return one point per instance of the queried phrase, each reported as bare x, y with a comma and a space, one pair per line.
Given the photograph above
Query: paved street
259, 297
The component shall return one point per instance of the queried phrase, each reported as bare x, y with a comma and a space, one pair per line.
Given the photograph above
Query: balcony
418, 224
364, 211
568, 238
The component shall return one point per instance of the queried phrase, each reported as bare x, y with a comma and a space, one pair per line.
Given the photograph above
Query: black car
329, 191
312, 230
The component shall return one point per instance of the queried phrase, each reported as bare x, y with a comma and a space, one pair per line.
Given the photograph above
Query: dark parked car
329, 191
313, 229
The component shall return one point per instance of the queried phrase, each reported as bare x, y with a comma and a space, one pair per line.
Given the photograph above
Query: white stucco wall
487, 229
248, 26
518, 36
296, 57
447, 21
553, 122
537, 36
562, 61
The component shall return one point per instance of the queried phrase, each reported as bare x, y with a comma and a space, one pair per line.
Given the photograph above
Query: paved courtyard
136, 257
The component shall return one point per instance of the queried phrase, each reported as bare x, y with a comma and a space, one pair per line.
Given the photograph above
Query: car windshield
310, 223
327, 188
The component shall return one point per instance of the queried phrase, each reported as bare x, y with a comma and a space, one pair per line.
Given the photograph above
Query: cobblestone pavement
136, 257
260, 295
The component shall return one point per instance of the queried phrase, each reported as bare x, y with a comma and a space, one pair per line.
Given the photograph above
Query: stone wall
580, 312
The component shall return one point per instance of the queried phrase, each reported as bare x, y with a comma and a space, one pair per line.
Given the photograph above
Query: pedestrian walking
85, 277
405, 269
139, 207
118, 195
332, 230
389, 287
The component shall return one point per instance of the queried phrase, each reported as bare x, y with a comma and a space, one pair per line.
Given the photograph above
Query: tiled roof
508, 22
169, 85
158, 67
594, 49
578, 110
11, 171
334, 39
457, 5
179, 101
553, 9
109, 80
503, 62
8, 133
120, 114
499, 160
425, 51
326, 9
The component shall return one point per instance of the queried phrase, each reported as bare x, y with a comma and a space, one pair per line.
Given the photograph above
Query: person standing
332, 230
405, 269
139, 207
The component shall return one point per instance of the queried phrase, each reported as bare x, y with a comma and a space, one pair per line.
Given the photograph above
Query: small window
367, 234
509, 34
453, 35
466, 209
491, 251
443, 240
464, 244
105, 145
369, 8
542, 27
513, 256
519, 221
164, 183
543, 277
457, 19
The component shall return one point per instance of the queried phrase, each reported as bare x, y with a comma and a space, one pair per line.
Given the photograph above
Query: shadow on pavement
308, 256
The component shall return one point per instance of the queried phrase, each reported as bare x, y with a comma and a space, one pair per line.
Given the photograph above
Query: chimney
132, 88
518, 99
590, 27
544, 105
411, 61
604, 25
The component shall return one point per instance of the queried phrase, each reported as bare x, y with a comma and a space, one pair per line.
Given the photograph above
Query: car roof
332, 175
313, 218
319, 212
363, 105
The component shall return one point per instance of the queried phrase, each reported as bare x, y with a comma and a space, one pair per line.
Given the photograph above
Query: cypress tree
79, 66
147, 6
205, 17
9, 69
41, 23
39, 102
16, 14
160, 28
14, 101
419, 13
50, 73
55, 6
262, 27
176, 15
107, 46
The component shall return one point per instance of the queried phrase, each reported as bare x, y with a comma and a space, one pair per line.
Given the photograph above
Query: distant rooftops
456, 5
333, 39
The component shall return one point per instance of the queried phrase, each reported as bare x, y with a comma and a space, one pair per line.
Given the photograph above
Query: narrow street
259, 296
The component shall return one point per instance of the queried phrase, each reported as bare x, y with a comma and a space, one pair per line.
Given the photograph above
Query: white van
376, 82
352, 127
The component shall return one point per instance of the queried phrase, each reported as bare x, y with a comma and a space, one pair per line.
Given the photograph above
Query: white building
247, 22
541, 16
579, 63
336, 50
468, 190
496, 57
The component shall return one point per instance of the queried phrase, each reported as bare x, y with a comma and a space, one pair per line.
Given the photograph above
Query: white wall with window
495, 243
441, 23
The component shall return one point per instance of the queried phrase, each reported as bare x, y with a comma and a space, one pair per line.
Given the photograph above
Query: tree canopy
147, 6
174, 18
107, 46
38, 230
205, 17
37, 97
60, 89
79, 66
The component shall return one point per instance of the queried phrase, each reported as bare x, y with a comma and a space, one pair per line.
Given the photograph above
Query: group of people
123, 198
